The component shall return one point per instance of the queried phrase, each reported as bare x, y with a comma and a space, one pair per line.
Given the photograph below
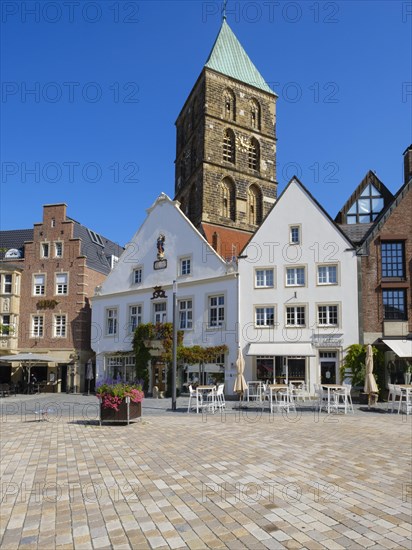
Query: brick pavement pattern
175, 480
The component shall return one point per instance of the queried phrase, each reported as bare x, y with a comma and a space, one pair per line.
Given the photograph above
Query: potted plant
119, 401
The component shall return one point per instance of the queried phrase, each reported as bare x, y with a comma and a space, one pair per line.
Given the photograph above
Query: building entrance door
328, 371
159, 375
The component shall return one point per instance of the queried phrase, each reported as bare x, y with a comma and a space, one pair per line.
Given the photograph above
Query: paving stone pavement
242, 480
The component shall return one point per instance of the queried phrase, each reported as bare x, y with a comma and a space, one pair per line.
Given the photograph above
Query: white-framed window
185, 266
328, 315
39, 281
160, 312
7, 283
137, 275
216, 311
60, 324
264, 278
296, 316
185, 314
61, 283
5, 322
295, 276
58, 249
44, 250
37, 326
264, 316
294, 234
111, 321
327, 274
135, 317
219, 360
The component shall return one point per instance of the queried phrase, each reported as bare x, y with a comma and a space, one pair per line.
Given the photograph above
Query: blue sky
108, 80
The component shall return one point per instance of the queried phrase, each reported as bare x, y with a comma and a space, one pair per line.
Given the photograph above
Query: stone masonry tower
226, 148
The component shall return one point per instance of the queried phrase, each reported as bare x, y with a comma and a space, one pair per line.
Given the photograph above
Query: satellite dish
13, 253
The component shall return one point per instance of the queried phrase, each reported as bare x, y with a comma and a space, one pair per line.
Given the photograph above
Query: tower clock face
242, 143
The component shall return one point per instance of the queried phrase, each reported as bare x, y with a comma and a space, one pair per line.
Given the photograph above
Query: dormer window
95, 237
367, 207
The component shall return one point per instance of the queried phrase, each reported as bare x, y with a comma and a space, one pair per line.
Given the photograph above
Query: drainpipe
360, 304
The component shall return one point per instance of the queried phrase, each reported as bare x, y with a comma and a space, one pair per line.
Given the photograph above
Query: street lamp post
174, 365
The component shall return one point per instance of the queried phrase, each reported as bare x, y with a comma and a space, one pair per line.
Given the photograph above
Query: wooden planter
127, 411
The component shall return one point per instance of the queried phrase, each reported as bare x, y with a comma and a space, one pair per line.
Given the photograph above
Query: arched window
254, 205
228, 199
255, 114
229, 105
254, 154
229, 146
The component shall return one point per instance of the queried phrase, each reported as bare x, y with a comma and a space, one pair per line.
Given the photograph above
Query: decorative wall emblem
46, 304
158, 293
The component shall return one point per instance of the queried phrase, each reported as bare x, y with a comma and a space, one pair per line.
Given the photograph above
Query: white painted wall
210, 275
321, 242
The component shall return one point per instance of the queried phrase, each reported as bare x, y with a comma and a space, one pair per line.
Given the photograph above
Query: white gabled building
299, 293
167, 247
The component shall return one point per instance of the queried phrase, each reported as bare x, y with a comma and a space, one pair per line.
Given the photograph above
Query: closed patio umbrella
371, 388
240, 382
89, 374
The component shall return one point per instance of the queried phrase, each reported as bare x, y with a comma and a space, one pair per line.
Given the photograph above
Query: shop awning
402, 348
287, 349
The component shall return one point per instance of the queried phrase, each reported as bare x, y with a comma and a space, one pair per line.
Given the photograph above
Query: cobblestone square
244, 479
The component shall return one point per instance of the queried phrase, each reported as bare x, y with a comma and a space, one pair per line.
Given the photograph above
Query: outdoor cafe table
203, 392
331, 388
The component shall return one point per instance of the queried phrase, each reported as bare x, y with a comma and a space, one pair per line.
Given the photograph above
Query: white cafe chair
397, 392
281, 400
407, 402
220, 397
195, 397
343, 399
321, 397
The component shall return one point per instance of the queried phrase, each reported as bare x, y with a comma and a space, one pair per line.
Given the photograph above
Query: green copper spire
229, 58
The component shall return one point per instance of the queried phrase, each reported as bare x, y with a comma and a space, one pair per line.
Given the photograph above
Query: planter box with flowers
119, 401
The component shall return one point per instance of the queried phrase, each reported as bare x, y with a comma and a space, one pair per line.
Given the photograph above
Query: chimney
407, 164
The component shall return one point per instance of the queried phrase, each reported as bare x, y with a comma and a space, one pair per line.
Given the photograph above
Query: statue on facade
160, 246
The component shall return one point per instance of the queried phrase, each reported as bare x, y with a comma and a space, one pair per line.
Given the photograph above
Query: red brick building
59, 267
381, 226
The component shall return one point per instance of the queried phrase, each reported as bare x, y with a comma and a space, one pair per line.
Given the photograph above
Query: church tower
225, 173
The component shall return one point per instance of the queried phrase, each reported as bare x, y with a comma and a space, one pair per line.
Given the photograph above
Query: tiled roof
356, 231
229, 58
230, 241
14, 238
98, 256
